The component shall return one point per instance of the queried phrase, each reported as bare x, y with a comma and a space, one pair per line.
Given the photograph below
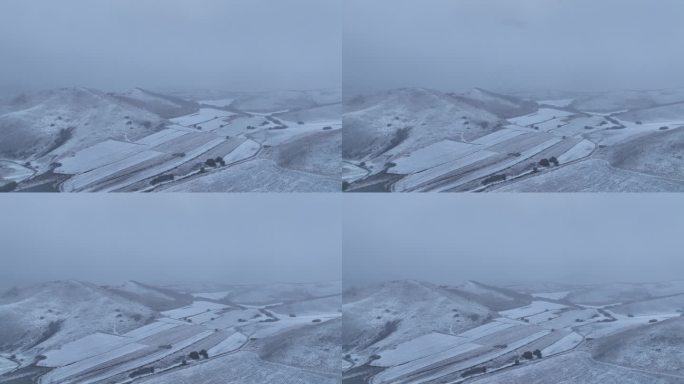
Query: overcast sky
506, 45
170, 44
509, 238
174, 238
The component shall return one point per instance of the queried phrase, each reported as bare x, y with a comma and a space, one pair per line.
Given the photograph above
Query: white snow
498, 136
419, 178
107, 373
534, 308
230, 344
162, 136
391, 374
11, 171
6, 365
59, 374
86, 347
247, 149
217, 103
565, 344
352, 172
83, 180
426, 361
286, 323
421, 346
204, 115
543, 114
557, 102
501, 165
551, 295
99, 155
431, 156
212, 295
582, 149
150, 329
486, 329
196, 308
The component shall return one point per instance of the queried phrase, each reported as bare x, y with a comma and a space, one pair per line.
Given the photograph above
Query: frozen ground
539, 342
77, 140
482, 141
243, 344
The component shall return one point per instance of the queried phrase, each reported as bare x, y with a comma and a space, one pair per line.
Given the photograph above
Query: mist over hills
82, 139
73, 332
417, 139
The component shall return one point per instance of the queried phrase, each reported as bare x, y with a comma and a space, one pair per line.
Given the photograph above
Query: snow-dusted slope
654, 347
162, 105
501, 105
282, 101
624, 292
383, 316
159, 299
49, 125
495, 298
48, 315
280, 293
403, 120
666, 113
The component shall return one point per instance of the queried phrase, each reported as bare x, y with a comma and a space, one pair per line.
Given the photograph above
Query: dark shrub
474, 371
142, 371
161, 179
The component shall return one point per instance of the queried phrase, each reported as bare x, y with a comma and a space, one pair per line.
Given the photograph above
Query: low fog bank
504, 46
179, 238
513, 238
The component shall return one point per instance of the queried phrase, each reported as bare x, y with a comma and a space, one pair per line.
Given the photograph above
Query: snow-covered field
495, 351
230, 344
197, 308
6, 365
432, 142
163, 347
535, 308
77, 140
11, 171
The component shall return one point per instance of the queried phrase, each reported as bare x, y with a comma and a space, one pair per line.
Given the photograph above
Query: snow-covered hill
495, 298
48, 315
159, 299
163, 105
504, 106
400, 121
382, 316
46, 126
283, 101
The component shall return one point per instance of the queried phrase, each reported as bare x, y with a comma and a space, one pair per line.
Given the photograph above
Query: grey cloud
230, 238
512, 45
170, 44
506, 238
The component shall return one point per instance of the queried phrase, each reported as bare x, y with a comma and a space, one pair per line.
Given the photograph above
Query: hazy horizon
504, 46
170, 239
115, 45
512, 238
